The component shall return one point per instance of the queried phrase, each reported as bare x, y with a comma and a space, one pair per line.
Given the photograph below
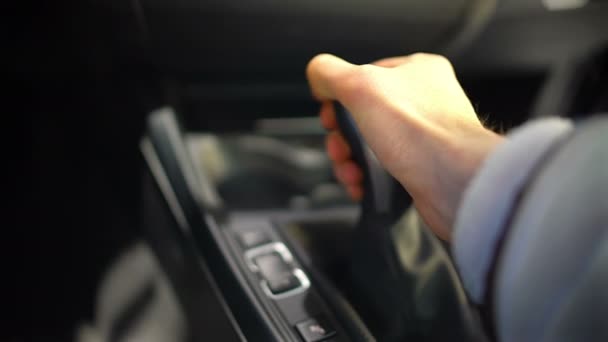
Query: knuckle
357, 81
431, 57
434, 61
316, 62
442, 60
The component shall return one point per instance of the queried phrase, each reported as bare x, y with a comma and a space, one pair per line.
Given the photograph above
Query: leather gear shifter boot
404, 284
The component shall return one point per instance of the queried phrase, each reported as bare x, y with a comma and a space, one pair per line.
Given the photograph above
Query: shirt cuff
490, 196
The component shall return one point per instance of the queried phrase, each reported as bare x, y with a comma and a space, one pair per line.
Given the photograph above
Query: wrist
443, 167
464, 158
458, 165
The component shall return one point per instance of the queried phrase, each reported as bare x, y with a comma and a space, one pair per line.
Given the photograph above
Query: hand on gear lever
374, 264
383, 199
415, 116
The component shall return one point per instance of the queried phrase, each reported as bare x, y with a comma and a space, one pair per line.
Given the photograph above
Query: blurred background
81, 77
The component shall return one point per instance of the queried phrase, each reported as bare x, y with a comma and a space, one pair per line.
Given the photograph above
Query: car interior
188, 127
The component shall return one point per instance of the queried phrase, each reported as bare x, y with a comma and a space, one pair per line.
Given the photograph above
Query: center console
260, 243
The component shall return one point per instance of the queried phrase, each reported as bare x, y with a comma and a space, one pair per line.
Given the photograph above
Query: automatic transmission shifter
400, 295
375, 265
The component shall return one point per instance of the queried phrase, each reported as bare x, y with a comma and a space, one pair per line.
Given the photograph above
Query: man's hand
418, 121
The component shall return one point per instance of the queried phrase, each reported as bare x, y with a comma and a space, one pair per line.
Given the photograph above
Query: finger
328, 115
392, 62
337, 148
324, 73
355, 192
348, 173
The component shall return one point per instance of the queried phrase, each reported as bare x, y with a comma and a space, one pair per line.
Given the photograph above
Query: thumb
324, 72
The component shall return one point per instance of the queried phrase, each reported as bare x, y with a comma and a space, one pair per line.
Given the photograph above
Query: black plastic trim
204, 231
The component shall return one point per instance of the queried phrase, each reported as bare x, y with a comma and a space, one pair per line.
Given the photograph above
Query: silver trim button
293, 273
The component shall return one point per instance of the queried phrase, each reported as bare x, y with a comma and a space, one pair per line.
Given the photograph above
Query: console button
254, 238
277, 273
314, 329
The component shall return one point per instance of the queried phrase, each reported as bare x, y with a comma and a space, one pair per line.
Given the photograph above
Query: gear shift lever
416, 295
375, 266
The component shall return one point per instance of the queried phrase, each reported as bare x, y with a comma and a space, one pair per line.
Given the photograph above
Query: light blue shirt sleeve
535, 219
